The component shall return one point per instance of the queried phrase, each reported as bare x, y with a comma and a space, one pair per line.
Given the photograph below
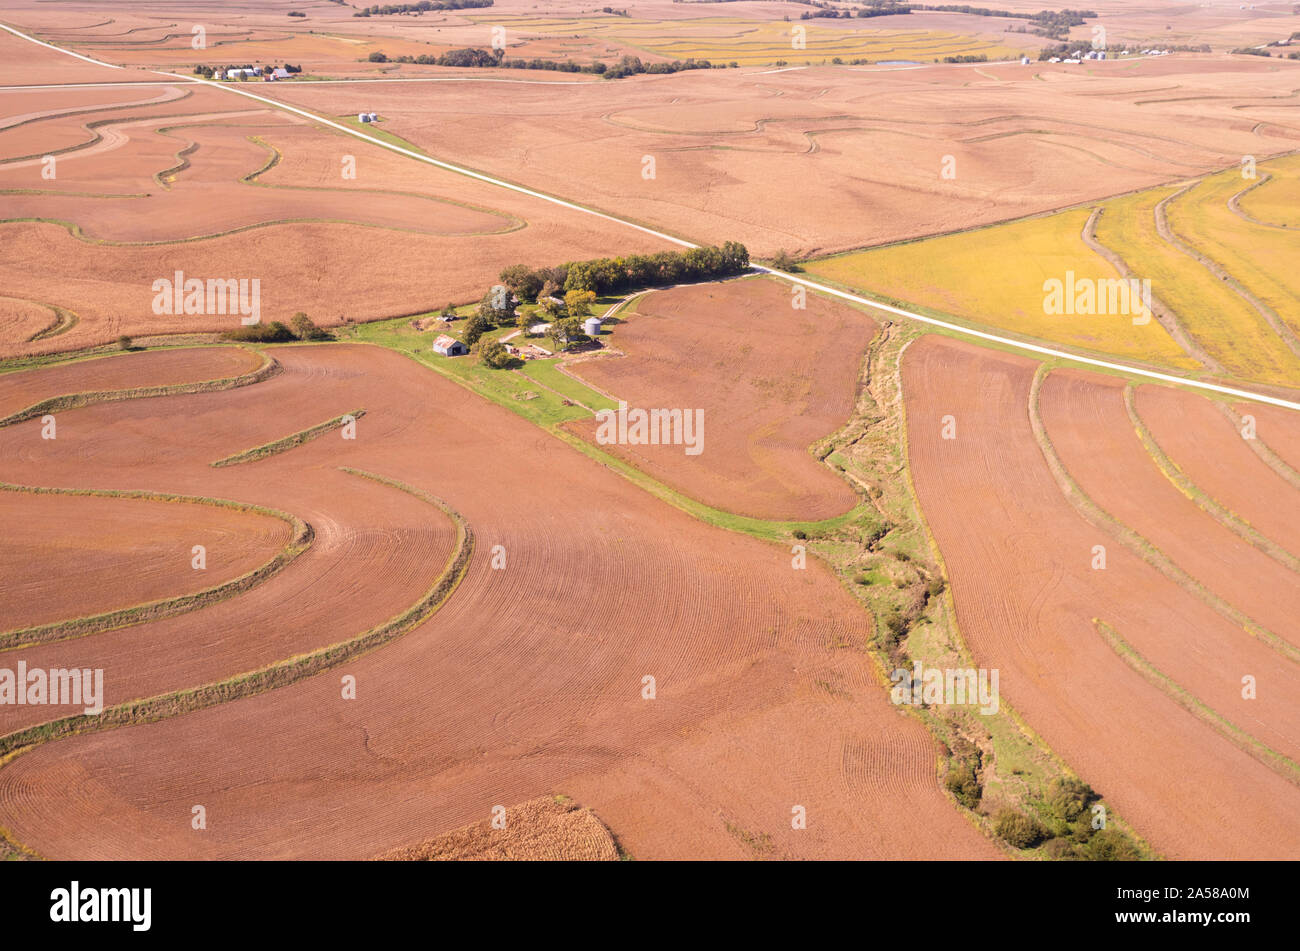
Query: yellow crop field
1263, 258
1228, 327
758, 42
1277, 200
995, 277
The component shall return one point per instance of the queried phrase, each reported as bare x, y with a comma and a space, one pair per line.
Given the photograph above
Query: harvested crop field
527, 681
74, 556
545, 829
167, 444
1091, 431
1224, 466
770, 379
125, 371
220, 188
775, 159
1184, 786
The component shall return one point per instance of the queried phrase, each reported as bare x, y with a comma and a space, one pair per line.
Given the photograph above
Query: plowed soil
124, 372
1019, 560
67, 557
528, 681
770, 379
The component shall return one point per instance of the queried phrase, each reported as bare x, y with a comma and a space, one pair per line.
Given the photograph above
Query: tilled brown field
827, 158
124, 372
1088, 425
216, 186
1223, 466
527, 682
1026, 596
73, 556
770, 379
165, 445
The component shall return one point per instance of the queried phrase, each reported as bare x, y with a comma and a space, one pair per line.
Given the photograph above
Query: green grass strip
288, 442
56, 404
301, 540
1280, 763
278, 674
1187, 487
1098, 517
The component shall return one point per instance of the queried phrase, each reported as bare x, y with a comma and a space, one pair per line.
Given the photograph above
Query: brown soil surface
1087, 423
1018, 557
528, 682
363, 530
125, 371
770, 379
1277, 428
1209, 450
828, 158
65, 557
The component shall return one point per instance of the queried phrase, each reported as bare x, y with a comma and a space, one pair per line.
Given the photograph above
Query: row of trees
475, 58
422, 6
611, 275
579, 283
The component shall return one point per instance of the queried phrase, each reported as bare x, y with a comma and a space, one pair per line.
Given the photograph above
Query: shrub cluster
276, 332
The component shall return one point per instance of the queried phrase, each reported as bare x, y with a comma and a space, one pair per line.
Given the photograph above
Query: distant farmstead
449, 346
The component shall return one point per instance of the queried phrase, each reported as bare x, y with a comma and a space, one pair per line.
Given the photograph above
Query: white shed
449, 346
591, 327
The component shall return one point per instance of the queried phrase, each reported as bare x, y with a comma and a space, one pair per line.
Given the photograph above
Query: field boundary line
285, 443
1165, 315
57, 49
278, 674
301, 539
56, 404
1134, 541
681, 242
1188, 487
1180, 243
1264, 450
1279, 763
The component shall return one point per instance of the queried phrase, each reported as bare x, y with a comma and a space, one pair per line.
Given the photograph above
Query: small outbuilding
449, 346
363, 117
591, 327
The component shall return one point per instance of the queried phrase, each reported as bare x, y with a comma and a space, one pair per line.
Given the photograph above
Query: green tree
498, 306
495, 355
305, 328
476, 327
124, 342
565, 331
578, 303
525, 282
1068, 797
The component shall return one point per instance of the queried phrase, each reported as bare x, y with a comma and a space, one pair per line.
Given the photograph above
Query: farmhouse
449, 346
